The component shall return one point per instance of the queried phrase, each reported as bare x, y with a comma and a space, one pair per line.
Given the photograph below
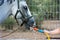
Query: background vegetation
44, 9
9, 23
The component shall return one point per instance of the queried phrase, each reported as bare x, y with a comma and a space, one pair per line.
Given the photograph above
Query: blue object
41, 31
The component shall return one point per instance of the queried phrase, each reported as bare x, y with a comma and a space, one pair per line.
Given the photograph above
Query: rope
47, 35
9, 33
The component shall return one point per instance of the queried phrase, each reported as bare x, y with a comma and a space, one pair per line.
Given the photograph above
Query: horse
19, 10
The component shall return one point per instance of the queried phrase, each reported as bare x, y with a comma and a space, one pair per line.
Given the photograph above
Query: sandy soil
26, 35
32, 35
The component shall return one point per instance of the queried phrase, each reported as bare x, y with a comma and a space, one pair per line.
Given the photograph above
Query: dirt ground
30, 35
26, 35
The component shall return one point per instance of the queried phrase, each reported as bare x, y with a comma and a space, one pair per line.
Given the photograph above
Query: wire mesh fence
49, 9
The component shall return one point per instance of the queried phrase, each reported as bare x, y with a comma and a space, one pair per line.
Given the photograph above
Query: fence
49, 9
